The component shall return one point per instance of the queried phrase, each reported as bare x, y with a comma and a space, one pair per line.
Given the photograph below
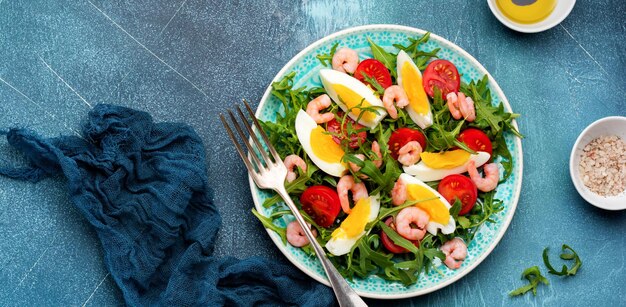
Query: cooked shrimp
296, 236
467, 108
492, 175
316, 105
461, 106
411, 223
377, 162
291, 161
398, 193
394, 94
346, 184
376, 149
455, 251
409, 154
453, 105
345, 60
355, 168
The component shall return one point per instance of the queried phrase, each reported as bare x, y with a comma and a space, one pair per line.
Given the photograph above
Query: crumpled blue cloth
143, 186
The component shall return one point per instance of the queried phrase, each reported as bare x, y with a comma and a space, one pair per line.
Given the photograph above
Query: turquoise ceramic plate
306, 67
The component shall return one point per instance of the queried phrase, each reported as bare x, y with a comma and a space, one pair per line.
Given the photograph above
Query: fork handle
343, 292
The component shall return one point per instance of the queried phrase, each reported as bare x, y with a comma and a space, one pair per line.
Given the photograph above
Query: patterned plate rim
492, 84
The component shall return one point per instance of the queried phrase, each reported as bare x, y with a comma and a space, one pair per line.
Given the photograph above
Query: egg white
432, 227
330, 77
339, 245
422, 120
304, 125
424, 172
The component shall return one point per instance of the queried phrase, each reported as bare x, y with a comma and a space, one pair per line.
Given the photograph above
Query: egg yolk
437, 210
324, 147
446, 159
526, 11
355, 223
351, 99
412, 84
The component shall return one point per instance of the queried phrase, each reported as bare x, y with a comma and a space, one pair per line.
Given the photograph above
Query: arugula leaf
420, 57
397, 239
267, 223
373, 82
463, 222
493, 120
534, 277
488, 117
442, 139
443, 133
456, 207
388, 59
486, 206
501, 150
565, 256
327, 58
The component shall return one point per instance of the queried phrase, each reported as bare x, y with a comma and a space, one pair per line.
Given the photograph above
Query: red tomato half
476, 140
458, 186
374, 69
443, 75
322, 204
356, 139
388, 243
402, 136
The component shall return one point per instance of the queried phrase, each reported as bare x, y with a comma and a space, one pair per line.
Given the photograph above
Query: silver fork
268, 174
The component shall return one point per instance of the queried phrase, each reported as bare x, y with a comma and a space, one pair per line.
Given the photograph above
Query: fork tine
251, 151
249, 166
254, 137
263, 135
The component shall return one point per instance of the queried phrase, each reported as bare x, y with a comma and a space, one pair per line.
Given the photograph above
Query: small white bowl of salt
597, 163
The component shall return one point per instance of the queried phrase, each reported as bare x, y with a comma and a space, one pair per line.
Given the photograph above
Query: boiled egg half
410, 79
437, 165
351, 95
436, 206
353, 227
319, 145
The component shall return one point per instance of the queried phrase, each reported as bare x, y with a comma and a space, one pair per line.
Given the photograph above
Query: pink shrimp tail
453, 105
490, 181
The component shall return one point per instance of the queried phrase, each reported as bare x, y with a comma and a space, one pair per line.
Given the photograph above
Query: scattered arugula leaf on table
565, 256
534, 277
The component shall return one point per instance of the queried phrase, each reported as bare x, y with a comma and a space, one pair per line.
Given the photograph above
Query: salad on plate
393, 161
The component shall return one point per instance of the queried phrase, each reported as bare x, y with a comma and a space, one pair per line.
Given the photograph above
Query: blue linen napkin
143, 186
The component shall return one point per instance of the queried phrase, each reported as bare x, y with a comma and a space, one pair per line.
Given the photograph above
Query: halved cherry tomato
374, 69
476, 140
458, 186
443, 75
356, 139
388, 243
402, 136
322, 204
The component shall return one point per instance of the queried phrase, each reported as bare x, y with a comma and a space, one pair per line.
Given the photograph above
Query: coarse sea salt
603, 165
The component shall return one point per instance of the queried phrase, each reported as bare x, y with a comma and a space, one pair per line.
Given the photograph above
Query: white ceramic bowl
562, 9
612, 125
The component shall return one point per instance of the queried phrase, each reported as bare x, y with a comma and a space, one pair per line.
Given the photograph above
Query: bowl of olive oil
531, 16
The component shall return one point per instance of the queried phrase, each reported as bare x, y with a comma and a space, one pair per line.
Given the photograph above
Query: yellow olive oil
526, 11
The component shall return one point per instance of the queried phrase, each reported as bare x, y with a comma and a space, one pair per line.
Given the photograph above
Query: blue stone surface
187, 60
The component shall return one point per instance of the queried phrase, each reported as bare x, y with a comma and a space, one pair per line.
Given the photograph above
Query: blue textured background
185, 60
